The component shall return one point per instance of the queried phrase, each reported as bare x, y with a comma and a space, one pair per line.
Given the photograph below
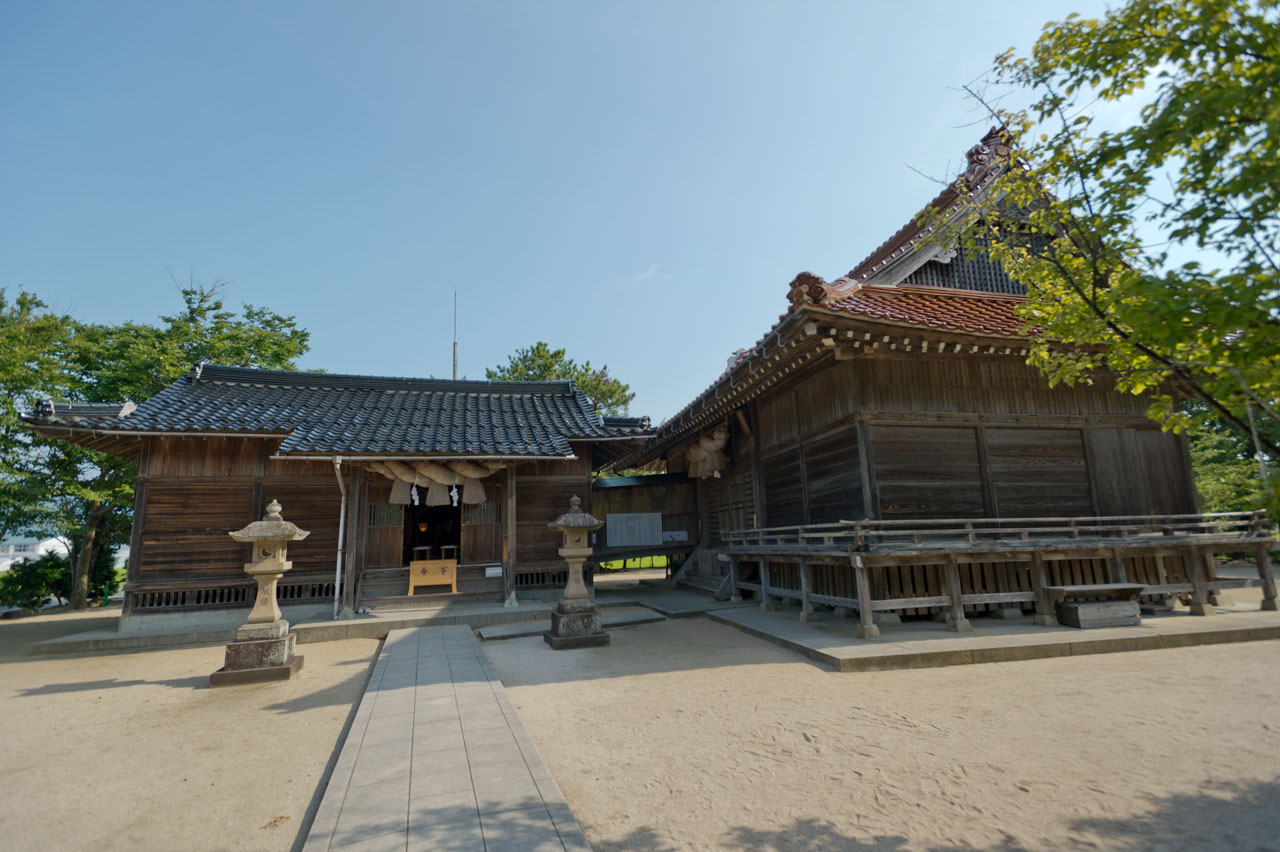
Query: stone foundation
575, 624
261, 653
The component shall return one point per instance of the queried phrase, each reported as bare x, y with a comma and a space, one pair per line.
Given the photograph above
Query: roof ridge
351, 381
986, 161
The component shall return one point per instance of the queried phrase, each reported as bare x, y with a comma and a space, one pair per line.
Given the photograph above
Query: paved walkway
437, 759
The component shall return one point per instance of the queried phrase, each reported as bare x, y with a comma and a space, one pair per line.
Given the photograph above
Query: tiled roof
624, 426
322, 413
931, 307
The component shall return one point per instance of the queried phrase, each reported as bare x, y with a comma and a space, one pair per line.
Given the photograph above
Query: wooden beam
952, 581
766, 603
867, 628
1263, 560
509, 551
1199, 593
1045, 616
356, 518
806, 588
1119, 571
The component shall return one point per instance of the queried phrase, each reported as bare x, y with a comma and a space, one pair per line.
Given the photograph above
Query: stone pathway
437, 759
613, 616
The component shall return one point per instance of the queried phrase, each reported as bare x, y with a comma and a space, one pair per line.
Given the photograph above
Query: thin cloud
653, 273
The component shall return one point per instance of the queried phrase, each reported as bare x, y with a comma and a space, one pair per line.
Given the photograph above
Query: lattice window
386, 515
966, 272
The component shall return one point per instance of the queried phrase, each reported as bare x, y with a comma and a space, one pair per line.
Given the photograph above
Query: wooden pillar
1263, 560
357, 520
735, 594
866, 620
1119, 571
806, 589
1216, 597
509, 552
958, 622
1045, 616
135, 543
766, 602
1199, 594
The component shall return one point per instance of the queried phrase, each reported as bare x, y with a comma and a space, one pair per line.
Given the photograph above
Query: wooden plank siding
193, 491
951, 436
543, 490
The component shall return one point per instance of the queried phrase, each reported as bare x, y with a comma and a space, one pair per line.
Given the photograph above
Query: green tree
33, 342
1150, 250
28, 584
86, 497
540, 362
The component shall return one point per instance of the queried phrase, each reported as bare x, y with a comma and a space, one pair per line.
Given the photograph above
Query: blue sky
634, 182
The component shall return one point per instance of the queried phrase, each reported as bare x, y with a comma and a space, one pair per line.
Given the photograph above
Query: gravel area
690, 735
133, 751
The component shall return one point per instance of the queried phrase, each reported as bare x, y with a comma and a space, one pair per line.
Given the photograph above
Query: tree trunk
88, 552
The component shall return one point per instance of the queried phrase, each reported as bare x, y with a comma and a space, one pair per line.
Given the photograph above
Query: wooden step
430, 601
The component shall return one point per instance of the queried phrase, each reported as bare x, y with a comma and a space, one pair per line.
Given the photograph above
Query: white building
21, 548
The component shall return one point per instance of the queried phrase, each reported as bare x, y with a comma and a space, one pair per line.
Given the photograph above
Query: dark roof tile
323, 414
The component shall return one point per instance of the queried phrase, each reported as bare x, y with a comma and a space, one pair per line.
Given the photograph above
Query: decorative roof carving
807, 287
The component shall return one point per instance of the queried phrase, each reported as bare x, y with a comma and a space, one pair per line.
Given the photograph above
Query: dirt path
132, 750
689, 735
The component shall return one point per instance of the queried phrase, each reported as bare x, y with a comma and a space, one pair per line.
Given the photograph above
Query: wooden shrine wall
543, 490
193, 491
947, 437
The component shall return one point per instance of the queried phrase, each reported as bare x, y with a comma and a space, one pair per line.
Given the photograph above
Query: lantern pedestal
261, 652
264, 648
575, 623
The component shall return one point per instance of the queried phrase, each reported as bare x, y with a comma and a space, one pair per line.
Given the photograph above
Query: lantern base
261, 653
568, 643
266, 674
575, 624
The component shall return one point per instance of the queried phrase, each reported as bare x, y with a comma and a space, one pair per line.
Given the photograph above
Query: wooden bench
1118, 607
433, 572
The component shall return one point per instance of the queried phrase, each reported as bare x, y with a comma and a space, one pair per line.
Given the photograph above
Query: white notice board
634, 529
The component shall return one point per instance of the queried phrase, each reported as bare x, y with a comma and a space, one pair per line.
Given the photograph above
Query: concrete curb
1013, 653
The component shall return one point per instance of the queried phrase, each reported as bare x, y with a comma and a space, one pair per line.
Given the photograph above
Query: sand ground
683, 735
132, 750
690, 735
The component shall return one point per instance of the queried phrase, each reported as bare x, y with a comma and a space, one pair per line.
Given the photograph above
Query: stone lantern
575, 623
263, 649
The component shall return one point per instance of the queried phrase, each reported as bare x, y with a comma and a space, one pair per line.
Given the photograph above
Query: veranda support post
1199, 592
806, 589
958, 622
766, 602
866, 623
1045, 616
1263, 560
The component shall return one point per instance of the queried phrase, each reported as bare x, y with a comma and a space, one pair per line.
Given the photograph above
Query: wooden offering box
433, 572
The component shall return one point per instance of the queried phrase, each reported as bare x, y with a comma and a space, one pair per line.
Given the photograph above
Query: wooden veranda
948, 565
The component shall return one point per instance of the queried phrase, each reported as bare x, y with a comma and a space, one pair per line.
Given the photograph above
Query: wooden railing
909, 536
861, 546
159, 596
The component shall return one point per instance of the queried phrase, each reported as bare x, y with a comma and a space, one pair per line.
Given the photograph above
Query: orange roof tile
974, 312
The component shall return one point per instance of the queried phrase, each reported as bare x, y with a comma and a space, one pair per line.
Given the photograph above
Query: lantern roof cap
271, 528
575, 519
